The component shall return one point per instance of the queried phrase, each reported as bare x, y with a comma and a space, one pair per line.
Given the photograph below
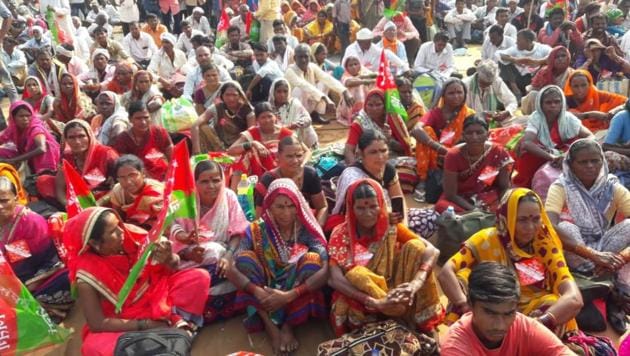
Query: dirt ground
225, 337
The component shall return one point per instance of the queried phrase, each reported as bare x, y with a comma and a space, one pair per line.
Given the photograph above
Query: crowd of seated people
536, 134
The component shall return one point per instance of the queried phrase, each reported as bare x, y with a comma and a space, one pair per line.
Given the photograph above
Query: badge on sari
488, 175
447, 137
17, 251
94, 177
297, 251
530, 271
362, 255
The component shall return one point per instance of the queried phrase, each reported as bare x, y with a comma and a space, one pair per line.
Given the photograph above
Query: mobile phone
397, 205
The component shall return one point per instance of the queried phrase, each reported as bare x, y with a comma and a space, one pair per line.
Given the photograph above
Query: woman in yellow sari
524, 240
440, 128
378, 269
320, 30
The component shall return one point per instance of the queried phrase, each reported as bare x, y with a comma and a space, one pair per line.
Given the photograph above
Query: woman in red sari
258, 146
27, 139
594, 107
92, 160
146, 140
101, 250
71, 103
36, 95
121, 82
476, 172
441, 128
550, 130
136, 198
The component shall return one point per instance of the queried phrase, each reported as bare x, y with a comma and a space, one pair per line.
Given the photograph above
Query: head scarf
546, 75
135, 94
239, 89
36, 126
8, 171
398, 128
346, 234
166, 36
272, 92
91, 143
613, 14
588, 207
314, 47
104, 125
304, 215
344, 62
27, 95
568, 125
546, 240
69, 105
297, 6
592, 95
391, 45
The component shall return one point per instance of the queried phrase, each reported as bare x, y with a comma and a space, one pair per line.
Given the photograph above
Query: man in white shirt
169, 65
82, 40
494, 41
203, 57
240, 21
436, 56
280, 29
14, 60
519, 62
139, 45
486, 15
282, 54
266, 72
198, 21
369, 54
184, 43
310, 85
458, 22
502, 19
488, 95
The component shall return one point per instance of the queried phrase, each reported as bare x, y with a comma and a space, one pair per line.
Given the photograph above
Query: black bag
452, 232
156, 342
433, 186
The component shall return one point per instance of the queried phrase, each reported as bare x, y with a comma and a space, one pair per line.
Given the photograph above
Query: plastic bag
24, 324
178, 114
254, 31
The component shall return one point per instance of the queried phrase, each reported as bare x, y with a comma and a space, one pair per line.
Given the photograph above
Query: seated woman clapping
378, 269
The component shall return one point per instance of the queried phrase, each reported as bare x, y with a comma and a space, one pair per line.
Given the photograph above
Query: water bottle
241, 191
449, 213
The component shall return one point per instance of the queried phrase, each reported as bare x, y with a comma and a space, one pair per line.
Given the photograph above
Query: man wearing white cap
37, 42
391, 42
74, 65
139, 45
198, 21
169, 65
406, 33
369, 54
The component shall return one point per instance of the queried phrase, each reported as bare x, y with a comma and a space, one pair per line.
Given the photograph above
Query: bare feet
288, 342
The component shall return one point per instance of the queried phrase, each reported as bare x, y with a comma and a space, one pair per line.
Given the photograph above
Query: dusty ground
222, 338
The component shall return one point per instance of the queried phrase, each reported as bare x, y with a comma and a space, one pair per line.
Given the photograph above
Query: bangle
143, 324
425, 267
300, 290
247, 146
548, 320
584, 251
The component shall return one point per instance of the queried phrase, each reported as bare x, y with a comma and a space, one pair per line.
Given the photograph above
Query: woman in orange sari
594, 107
71, 103
441, 128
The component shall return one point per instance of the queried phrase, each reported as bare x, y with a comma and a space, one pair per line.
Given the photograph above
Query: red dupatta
69, 107
344, 244
28, 97
98, 158
107, 274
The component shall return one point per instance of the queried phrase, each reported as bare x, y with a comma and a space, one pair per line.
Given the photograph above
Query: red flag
78, 195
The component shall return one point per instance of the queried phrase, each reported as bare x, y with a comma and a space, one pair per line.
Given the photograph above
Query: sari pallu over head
102, 126
344, 240
107, 274
396, 124
568, 125
276, 252
7, 170
69, 106
26, 95
547, 75
24, 140
95, 168
588, 207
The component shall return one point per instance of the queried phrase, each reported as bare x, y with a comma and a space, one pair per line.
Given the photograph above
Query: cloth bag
452, 232
178, 114
172, 342
381, 338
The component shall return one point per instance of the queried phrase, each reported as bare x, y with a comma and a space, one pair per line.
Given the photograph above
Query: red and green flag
224, 24
385, 81
78, 195
24, 324
395, 7
180, 201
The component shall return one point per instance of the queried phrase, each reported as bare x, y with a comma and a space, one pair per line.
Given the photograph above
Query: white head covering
64, 52
389, 25
166, 36
102, 51
198, 9
37, 28
365, 34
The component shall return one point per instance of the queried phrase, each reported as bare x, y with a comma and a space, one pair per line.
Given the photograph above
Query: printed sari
217, 224
595, 100
159, 294
376, 264
251, 162
475, 180
539, 290
449, 136
98, 167
75, 106
103, 126
27, 245
7, 170
148, 97
268, 260
14, 142
293, 113
345, 112
143, 208
45, 101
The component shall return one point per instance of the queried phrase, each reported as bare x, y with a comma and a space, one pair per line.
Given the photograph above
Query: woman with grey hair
488, 94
